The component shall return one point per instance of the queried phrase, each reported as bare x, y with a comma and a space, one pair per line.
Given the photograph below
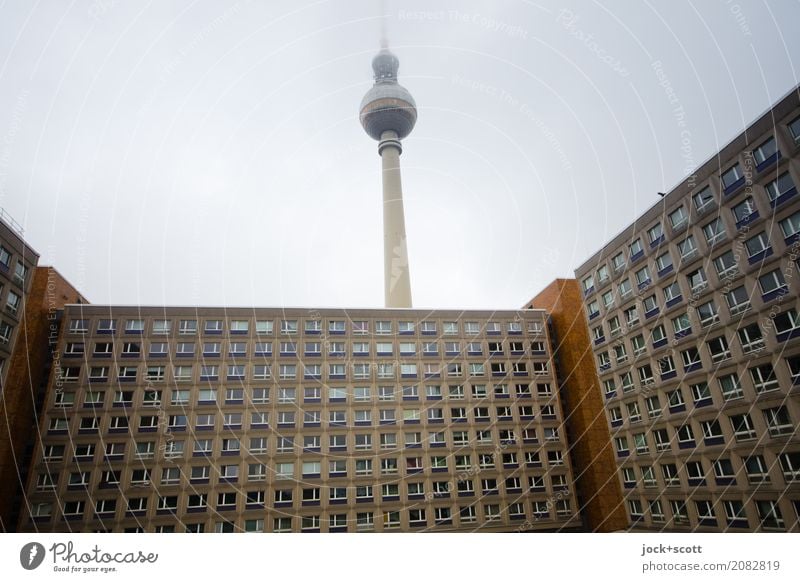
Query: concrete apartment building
33, 299
301, 420
17, 261
692, 313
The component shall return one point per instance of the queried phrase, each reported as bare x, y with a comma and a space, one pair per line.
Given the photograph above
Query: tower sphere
387, 106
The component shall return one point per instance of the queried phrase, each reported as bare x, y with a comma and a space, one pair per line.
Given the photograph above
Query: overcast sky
209, 153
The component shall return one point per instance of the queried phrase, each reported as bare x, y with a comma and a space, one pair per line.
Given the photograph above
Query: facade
25, 385
693, 317
17, 260
213, 419
598, 491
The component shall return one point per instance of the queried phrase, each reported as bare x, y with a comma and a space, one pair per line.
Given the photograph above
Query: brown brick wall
590, 448
28, 367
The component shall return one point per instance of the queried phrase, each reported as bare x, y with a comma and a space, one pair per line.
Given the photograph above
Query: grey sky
210, 153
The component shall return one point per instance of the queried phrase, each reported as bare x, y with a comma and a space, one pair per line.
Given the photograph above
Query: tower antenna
384, 16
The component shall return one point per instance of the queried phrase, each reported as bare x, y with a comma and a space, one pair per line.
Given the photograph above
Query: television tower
388, 114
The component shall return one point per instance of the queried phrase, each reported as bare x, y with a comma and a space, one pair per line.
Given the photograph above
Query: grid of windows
291, 415
712, 337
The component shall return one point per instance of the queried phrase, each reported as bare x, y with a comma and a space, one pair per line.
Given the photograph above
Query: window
79, 326
635, 247
701, 393
73, 508
653, 406
751, 339
264, 327
794, 368
363, 467
743, 210
714, 231
771, 282
260, 395
625, 289
429, 327
685, 434
161, 326
187, 327
742, 427
703, 199
725, 265
780, 186
672, 291
678, 218
602, 274
213, 326
309, 523
687, 247
134, 325
675, 398
210, 349
778, 421
786, 322
732, 175
723, 469
790, 465
655, 233
643, 276
730, 386
618, 261
609, 387
763, 377
756, 469
658, 334
794, 129
450, 328
708, 313
681, 323
5, 256
711, 429
763, 152
757, 244
697, 281
288, 327
670, 473
631, 316
718, 348
664, 262
13, 301
666, 365
770, 514
791, 225
634, 414
608, 299
738, 300
588, 283
635, 509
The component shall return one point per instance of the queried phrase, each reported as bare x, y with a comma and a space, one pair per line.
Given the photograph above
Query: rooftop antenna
384, 36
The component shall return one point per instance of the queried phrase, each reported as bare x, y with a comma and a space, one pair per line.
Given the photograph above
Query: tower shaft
397, 279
